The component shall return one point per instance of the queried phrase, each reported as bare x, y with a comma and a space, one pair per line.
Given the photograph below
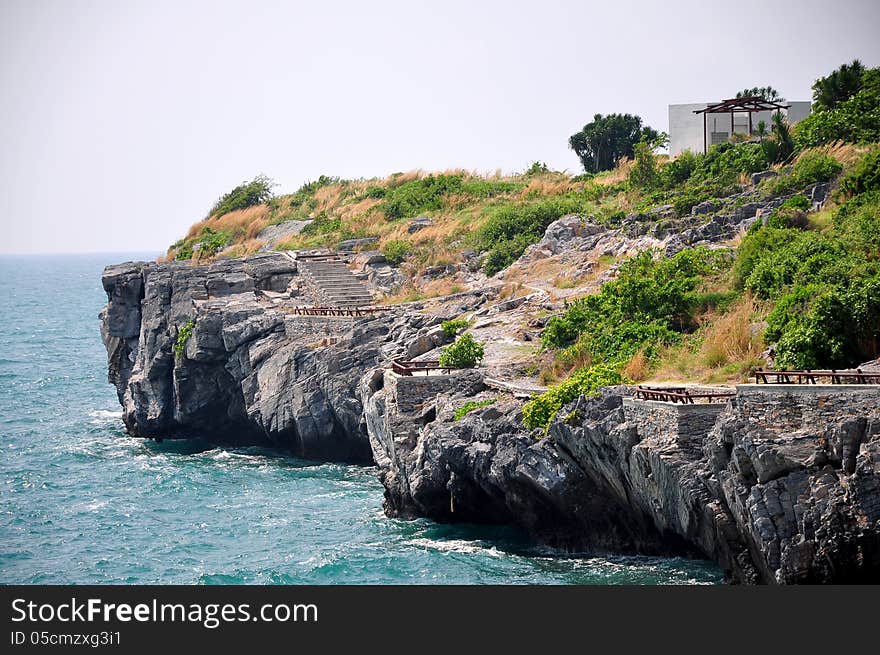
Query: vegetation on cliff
805, 281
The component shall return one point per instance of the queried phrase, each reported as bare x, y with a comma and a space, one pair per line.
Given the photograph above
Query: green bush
826, 325
811, 167
466, 352
427, 194
539, 411
644, 173
183, 335
453, 327
183, 251
864, 176
649, 304
396, 251
323, 224
246, 194
470, 406
512, 228
854, 120
208, 242
679, 169
857, 222
537, 168
791, 214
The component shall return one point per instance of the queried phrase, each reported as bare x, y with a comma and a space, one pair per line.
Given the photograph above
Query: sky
122, 121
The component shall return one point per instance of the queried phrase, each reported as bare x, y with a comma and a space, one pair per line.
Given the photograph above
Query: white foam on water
454, 546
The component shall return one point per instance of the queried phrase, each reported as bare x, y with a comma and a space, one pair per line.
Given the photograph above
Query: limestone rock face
248, 373
777, 488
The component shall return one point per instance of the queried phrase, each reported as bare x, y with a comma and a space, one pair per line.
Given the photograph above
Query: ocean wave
455, 546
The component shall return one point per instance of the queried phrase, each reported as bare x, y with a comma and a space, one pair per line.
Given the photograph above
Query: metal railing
681, 395
832, 376
403, 367
335, 311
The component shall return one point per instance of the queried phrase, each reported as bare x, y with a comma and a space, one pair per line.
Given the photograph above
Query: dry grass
549, 184
564, 363
846, 153
618, 174
638, 368
730, 337
729, 348
564, 282
243, 249
540, 269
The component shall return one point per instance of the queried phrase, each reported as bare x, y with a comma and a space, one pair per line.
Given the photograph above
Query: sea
83, 503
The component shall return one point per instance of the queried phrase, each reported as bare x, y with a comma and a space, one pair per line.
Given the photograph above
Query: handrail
678, 394
407, 368
807, 376
336, 311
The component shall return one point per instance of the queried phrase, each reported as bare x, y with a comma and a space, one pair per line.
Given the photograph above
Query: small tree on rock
466, 352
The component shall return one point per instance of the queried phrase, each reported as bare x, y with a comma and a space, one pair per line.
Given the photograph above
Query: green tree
602, 142
466, 352
767, 92
854, 120
840, 85
246, 194
645, 172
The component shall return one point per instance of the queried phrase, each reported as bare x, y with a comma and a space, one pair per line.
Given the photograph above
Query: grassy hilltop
807, 281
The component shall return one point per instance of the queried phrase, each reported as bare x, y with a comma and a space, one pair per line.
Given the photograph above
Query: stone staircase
333, 282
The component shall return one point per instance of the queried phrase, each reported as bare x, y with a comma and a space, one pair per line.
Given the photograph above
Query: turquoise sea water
81, 502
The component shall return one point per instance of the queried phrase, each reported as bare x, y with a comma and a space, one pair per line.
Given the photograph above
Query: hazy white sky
122, 121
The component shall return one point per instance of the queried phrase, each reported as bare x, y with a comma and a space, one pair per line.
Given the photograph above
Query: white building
688, 131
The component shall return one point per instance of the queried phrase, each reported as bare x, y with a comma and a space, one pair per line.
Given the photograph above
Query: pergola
747, 104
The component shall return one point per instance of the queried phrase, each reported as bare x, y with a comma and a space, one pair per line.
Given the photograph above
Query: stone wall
663, 420
411, 392
793, 406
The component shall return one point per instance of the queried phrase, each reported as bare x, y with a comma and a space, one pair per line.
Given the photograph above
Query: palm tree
762, 130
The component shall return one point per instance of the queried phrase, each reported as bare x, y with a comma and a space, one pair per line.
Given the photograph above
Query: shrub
811, 166
791, 214
865, 175
396, 251
644, 173
648, 301
858, 223
512, 228
211, 242
323, 224
183, 335
854, 120
466, 352
419, 196
453, 327
537, 168
375, 192
679, 169
826, 325
208, 242
539, 411
470, 406
246, 194
183, 252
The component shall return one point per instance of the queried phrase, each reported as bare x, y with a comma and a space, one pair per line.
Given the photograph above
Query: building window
718, 137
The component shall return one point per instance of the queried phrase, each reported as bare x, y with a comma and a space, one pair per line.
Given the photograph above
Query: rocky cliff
781, 486
213, 352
